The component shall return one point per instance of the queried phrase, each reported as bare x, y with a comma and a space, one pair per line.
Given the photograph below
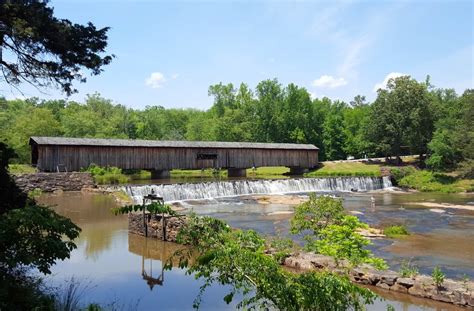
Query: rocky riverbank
50, 182
456, 292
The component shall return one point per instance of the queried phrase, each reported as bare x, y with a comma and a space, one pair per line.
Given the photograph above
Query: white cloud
329, 82
383, 84
155, 80
174, 76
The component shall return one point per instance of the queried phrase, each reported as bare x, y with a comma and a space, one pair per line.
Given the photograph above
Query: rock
399, 288
371, 233
382, 285
53, 182
406, 282
389, 277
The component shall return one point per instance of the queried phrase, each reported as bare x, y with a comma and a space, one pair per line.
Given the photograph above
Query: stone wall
455, 292
155, 227
49, 182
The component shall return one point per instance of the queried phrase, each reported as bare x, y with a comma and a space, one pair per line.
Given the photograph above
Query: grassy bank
427, 181
17, 169
330, 169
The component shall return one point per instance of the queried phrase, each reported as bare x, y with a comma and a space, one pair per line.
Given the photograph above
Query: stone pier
237, 172
160, 174
295, 171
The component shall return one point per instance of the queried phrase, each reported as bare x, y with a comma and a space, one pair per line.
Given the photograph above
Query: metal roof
67, 141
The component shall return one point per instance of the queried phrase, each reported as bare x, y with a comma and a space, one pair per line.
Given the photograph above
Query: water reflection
92, 213
155, 254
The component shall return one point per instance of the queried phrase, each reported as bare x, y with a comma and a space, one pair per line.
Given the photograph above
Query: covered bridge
72, 154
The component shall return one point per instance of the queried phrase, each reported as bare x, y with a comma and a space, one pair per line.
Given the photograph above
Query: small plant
153, 208
395, 231
465, 282
35, 193
107, 175
438, 277
408, 270
282, 247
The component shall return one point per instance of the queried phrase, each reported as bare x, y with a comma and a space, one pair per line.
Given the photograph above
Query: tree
30, 234
333, 132
38, 48
329, 231
401, 117
237, 258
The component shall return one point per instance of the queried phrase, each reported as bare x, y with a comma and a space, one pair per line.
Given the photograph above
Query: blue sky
168, 53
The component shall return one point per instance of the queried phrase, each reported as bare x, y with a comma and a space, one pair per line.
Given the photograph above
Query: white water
218, 189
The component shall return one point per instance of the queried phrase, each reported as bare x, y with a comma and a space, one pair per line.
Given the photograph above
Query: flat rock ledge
51, 182
456, 292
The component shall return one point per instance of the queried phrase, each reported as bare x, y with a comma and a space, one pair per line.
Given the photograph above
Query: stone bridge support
237, 172
296, 171
160, 174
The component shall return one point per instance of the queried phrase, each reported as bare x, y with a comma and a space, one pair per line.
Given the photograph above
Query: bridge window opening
207, 156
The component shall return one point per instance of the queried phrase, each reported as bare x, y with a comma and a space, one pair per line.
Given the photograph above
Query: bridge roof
67, 141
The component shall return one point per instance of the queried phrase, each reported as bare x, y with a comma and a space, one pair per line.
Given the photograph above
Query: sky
169, 52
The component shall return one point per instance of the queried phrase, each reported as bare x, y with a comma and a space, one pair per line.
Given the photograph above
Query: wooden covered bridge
51, 154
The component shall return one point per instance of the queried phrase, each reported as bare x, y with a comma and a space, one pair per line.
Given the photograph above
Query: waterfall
209, 190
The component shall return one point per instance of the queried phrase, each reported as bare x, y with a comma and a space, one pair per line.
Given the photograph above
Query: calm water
126, 269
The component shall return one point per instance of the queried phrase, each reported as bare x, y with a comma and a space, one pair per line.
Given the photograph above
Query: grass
330, 169
395, 231
270, 172
17, 169
260, 172
198, 173
427, 181
408, 270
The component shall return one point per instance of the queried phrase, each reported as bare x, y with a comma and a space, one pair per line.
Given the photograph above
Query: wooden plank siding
76, 157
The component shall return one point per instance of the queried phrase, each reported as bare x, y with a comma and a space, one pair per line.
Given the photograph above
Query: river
125, 270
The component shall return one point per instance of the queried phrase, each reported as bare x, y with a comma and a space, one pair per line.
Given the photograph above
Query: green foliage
20, 290
153, 208
438, 277
45, 50
395, 231
401, 116
237, 258
282, 248
452, 141
107, 175
399, 172
332, 232
33, 236
18, 169
316, 214
397, 123
35, 193
408, 270
30, 235
466, 169
427, 181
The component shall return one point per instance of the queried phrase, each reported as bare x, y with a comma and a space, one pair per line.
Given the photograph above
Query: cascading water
209, 190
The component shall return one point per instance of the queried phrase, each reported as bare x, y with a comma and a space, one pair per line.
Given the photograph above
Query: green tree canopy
38, 48
401, 118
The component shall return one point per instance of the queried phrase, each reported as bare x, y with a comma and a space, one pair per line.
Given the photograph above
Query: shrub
395, 231
438, 277
399, 173
408, 270
107, 175
427, 181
